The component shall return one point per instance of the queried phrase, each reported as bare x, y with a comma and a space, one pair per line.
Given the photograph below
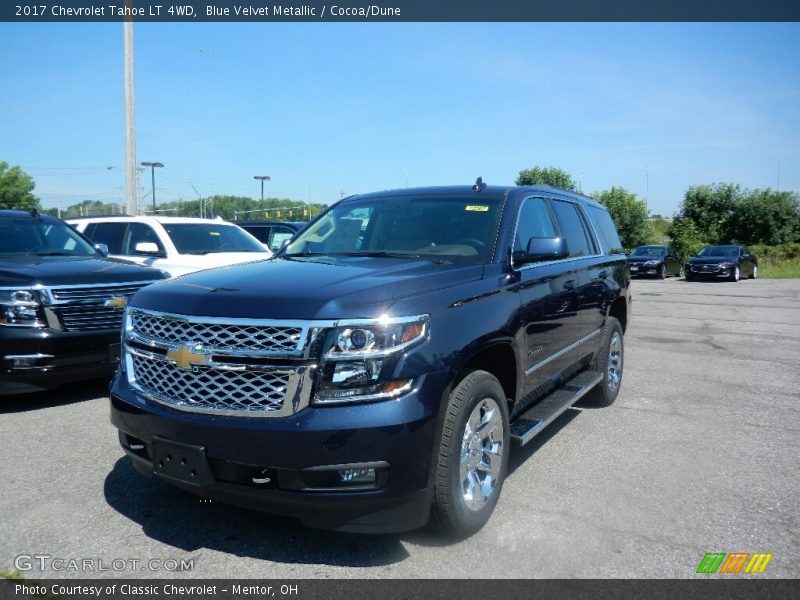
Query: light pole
262, 178
153, 166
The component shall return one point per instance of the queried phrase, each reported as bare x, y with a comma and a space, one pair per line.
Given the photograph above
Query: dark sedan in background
656, 261
722, 262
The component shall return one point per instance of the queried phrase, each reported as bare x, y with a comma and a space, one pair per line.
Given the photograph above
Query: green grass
783, 269
14, 576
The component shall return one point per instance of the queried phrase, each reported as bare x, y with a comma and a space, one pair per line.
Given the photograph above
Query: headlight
20, 308
726, 265
361, 355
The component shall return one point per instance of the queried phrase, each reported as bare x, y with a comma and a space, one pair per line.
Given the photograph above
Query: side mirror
102, 249
148, 248
542, 249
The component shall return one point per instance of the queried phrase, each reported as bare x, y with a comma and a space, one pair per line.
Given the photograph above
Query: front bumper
33, 359
396, 437
639, 269
711, 272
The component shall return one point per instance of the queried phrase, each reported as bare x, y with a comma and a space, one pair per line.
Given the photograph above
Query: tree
549, 175
15, 188
710, 207
629, 215
765, 217
685, 236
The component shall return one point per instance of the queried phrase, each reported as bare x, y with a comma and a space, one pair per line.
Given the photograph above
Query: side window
110, 234
572, 228
606, 229
138, 233
534, 221
258, 232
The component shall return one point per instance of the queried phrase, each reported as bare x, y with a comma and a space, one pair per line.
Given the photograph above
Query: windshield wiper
380, 254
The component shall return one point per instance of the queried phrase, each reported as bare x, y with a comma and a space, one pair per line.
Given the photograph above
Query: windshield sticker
477, 208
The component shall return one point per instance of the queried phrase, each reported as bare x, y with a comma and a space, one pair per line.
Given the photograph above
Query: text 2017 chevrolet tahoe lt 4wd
373, 375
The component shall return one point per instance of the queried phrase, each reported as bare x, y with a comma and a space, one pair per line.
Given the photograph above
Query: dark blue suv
374, 374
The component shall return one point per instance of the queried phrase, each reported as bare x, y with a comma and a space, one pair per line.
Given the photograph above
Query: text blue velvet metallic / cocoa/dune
480, 310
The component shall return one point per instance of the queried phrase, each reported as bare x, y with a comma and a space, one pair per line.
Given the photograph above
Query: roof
491, 191
150, 219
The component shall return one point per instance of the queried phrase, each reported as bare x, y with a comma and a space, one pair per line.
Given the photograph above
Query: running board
533, 421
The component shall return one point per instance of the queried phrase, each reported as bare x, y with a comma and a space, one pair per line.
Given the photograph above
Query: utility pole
153, 166
130, 119
262, 178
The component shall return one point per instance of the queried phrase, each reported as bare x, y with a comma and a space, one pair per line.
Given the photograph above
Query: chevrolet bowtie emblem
116, 302
185, 359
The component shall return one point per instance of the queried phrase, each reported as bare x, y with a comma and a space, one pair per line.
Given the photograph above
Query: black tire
451, 512
662, 272
610, 360
735, 274
754, 273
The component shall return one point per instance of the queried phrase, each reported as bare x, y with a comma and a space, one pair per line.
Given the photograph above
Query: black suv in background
656, 261
373, 375
61, 304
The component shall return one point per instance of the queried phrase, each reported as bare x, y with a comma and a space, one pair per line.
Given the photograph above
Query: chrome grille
210, 389
219, 336
96, 294
81, 308
89, 317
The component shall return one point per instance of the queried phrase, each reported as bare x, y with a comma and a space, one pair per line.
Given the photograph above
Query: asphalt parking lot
699, 454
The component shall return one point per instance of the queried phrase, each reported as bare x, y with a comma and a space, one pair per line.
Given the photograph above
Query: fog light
357, 476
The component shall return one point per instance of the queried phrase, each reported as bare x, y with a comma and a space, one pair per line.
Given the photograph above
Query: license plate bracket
184, 463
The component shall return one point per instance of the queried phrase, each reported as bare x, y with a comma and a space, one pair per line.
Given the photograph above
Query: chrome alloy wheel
481, 454
614, 362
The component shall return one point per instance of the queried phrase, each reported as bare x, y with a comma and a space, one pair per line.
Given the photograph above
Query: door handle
569, 284
602, 275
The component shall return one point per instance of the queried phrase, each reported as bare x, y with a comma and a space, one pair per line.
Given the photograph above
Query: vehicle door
747, 262
548, 300
142, 246
590, 274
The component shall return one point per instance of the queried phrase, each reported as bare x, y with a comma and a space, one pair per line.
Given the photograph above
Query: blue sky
325, 108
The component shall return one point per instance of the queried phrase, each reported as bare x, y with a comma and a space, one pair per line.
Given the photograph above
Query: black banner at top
393, 11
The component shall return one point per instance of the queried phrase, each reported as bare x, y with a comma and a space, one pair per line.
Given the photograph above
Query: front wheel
609, 361
662, 272
736, 273
473, 455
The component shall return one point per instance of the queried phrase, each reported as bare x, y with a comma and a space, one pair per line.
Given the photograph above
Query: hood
712, 260
644, 259
189, 263
303, 288
70, 270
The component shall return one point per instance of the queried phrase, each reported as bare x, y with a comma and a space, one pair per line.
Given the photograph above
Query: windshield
451, 229
39, 237
208, 238
649, 251
719, 251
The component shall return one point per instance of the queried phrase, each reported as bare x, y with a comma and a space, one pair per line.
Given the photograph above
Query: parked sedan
722, 262
657, 261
